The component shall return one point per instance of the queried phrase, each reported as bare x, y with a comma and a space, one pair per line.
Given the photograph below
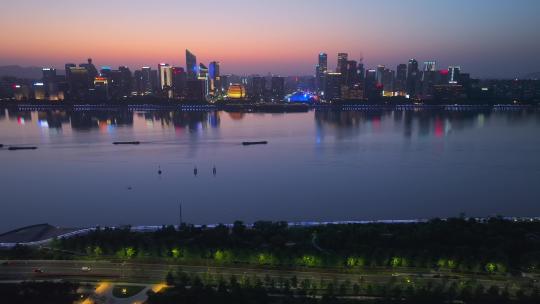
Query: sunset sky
489, 38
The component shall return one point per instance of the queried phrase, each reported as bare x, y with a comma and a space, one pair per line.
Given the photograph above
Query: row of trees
194, 289
495, 246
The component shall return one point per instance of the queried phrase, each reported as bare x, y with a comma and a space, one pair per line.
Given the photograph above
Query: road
155, 273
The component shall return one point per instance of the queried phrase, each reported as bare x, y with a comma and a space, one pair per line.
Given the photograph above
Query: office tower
78, 83
379, 73
430, 66
258, 88
342, 61
92, 71
453, 74
387, 82
125, 86
352, 73
154, 81
332, 86
214, 78
371, 87
165, 79
412, 77
277, 88
320, 71
400, 81
138, 82
50, 83
191, 65
165, 76
146, 81
179, 82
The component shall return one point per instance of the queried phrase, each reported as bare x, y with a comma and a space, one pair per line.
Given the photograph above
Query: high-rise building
214, 78
258, 88
353, 77
92, 71
430, 66
278, 88
165, 79
379, 73
179, 82
371, 87
146, 84
50, 83
412, 77
191, 65
320, 71
453, 74
388, 82
125, 86
342, 62
400, 84
78, 83
333, 86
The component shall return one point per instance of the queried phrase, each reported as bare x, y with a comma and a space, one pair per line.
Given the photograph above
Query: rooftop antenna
361, 57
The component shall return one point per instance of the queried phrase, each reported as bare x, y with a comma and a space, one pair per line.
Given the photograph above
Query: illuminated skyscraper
191, 65
320, 71
453, 74
214, 78
165, 79
165, 75
430, 66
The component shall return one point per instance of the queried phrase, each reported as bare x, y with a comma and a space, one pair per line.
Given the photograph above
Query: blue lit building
300, 97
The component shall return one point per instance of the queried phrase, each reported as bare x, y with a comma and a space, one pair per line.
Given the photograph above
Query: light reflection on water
318, 165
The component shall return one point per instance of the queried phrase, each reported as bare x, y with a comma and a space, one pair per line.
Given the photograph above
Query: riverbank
265, 108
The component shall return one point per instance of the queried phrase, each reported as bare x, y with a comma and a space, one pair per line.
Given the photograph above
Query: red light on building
443, 72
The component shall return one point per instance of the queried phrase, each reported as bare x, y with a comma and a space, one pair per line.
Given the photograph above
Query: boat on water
21, 148
126, 143
249, 143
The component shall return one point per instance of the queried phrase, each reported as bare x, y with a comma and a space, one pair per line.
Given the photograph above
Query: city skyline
259, 38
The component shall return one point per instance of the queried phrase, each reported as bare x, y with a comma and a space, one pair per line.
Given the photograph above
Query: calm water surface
319, 165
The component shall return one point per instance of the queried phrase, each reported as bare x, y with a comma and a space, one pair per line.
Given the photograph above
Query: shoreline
267, 108
305, 224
